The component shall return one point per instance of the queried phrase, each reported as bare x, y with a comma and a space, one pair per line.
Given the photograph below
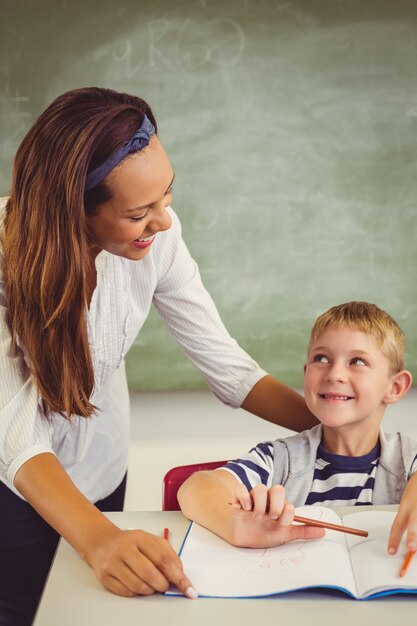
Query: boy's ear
400, 384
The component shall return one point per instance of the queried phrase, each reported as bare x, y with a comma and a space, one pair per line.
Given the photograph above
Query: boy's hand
263, 518
406, 519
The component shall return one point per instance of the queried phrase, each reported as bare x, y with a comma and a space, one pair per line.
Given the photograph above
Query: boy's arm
204, 498
406, 519
259, 519
279, 404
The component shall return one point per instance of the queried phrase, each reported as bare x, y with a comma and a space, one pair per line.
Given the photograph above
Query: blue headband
139, 140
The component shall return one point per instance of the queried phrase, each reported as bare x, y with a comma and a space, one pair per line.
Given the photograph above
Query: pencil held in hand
407, 561
329, 526
316, 522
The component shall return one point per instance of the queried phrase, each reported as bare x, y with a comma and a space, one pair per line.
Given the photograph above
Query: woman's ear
400, 384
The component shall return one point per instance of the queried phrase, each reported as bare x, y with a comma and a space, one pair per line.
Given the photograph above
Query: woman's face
141, 185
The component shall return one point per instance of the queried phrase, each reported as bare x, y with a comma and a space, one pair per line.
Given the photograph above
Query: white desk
74, 597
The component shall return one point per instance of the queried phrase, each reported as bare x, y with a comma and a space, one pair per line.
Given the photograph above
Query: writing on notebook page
270, 561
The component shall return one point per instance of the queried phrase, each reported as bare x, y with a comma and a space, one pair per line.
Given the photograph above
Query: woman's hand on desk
263, 518
126, 562
134, 562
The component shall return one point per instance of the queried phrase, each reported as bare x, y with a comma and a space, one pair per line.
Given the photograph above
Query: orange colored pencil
316, 522
407, 561
166, 534
329, 526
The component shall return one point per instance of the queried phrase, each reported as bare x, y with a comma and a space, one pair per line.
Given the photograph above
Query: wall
292, 129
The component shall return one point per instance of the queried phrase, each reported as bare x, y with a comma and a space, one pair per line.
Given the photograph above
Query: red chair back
174, 478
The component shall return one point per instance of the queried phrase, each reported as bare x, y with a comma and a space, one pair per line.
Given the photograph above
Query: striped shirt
337, 481
343, 480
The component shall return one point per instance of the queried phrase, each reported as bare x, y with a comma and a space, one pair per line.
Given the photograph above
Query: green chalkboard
292, 128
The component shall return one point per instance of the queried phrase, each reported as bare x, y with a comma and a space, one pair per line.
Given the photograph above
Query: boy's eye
169, 191
358, 361
321, 358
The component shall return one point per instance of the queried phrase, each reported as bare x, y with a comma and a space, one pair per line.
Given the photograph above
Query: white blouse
94, 450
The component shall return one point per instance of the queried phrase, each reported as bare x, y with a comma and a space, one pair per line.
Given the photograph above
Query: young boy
354, 369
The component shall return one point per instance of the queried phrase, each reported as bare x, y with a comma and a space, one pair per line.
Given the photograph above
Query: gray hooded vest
295, 457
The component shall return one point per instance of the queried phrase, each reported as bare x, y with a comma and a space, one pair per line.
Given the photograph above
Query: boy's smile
336, 397
347, 380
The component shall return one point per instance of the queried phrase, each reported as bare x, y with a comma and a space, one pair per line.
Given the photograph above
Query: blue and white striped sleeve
254, 468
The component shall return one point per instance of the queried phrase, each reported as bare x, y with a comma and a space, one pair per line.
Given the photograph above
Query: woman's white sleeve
191, 316
24, 433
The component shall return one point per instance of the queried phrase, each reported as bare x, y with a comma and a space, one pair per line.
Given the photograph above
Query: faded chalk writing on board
292, 130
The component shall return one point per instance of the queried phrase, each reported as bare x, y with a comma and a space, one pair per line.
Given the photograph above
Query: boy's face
346, 379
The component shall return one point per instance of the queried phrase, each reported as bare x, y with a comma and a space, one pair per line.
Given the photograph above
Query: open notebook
360, 567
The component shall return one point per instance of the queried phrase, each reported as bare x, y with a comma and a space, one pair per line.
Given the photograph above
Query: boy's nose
336, 373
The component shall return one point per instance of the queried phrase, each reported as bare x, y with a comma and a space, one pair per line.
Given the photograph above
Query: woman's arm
126, 562
191, 316
279, 404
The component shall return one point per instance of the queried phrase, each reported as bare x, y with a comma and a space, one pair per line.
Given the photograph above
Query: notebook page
221, 570
375, 570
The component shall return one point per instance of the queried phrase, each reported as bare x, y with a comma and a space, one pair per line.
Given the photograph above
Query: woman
89, 242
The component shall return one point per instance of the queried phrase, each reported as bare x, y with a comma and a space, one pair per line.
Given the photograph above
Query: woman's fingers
141, 575
126, 582
169, 564
139, 563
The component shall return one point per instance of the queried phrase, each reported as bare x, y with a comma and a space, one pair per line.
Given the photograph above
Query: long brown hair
46, 258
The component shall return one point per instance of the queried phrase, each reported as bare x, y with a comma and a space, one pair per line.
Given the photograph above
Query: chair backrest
174, 478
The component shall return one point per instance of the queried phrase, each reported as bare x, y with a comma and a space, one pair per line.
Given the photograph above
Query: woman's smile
144, 242
141, 186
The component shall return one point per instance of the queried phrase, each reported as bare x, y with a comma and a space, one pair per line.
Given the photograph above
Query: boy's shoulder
306, 438
297, 453
398, 450
397, 439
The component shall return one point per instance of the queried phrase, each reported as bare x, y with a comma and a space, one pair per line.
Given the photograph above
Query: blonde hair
370, 319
